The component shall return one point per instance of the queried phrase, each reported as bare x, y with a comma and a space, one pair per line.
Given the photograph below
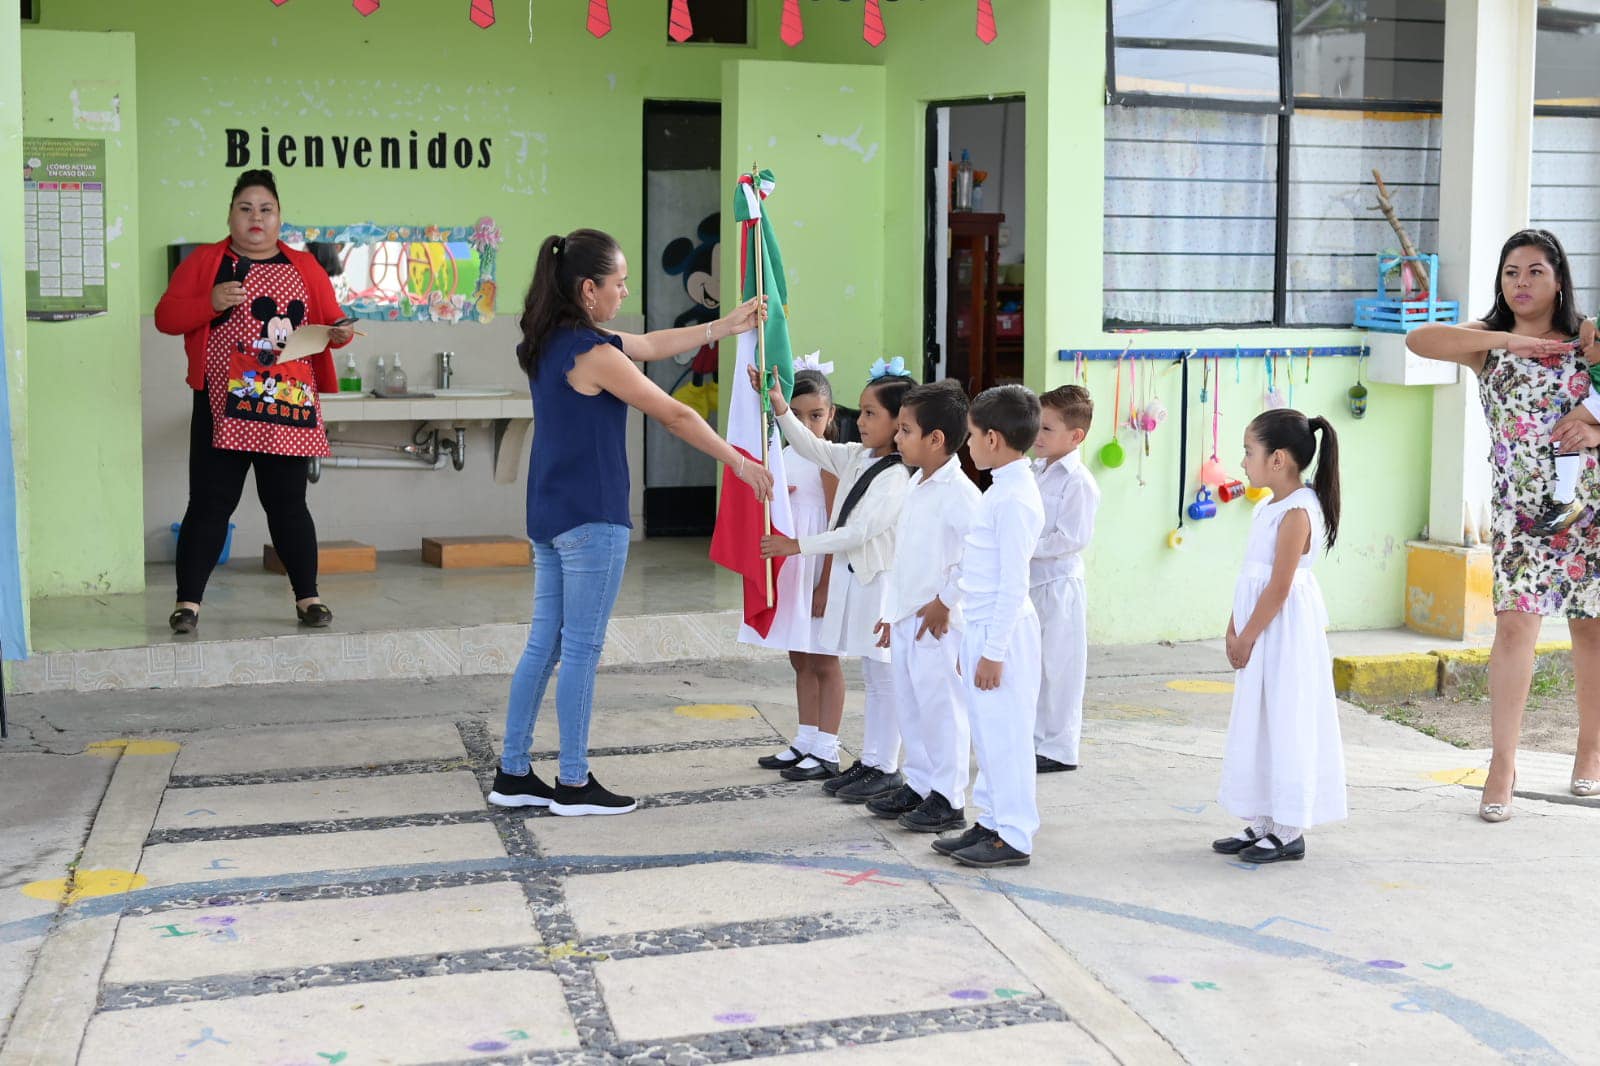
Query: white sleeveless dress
793, 628
1284, 758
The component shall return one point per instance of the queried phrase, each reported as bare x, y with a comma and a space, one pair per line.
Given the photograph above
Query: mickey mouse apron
258, 405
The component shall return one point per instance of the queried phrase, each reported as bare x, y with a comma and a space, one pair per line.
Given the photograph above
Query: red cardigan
186, 308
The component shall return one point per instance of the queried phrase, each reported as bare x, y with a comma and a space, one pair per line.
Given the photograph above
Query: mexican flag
741, 521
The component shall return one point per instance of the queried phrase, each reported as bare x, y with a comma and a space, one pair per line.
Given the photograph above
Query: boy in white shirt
1070, 498
921, 624
1000, 648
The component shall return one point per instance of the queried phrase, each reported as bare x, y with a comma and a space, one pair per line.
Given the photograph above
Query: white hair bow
811, 362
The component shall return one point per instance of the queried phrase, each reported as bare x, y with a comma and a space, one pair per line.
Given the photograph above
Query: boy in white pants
1000, 648
921, 625
1070, 498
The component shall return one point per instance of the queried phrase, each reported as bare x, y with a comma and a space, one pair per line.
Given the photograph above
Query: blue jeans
575, 581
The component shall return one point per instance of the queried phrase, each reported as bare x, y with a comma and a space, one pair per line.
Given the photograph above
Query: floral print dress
1523, 398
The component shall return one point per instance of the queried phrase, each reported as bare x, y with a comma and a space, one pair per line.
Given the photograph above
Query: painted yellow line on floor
1461, 775
86, 884
1200, 685
715, 712
124, 746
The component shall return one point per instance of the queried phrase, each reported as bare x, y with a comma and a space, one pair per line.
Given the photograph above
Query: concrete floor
320, 881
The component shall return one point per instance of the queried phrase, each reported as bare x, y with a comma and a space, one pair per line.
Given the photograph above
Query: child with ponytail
1283, 767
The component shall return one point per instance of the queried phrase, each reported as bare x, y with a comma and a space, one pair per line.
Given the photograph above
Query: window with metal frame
1566, 195
1198, 231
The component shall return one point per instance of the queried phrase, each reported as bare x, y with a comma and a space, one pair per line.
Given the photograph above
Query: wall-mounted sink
469, 393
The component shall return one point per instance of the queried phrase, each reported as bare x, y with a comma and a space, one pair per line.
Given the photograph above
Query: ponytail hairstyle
815, 383
890, 390
554, 296
1287, 429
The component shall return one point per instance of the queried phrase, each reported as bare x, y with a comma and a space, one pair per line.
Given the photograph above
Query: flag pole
761, 362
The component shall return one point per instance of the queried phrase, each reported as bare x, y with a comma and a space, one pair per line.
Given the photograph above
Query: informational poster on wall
64, 227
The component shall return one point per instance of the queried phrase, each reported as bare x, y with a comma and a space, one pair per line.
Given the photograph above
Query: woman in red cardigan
236, 302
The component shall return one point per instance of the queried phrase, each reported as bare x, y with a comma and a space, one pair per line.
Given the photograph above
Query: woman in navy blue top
583, 380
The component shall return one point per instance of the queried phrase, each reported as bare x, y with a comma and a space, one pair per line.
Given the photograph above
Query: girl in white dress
803, 596
872, 486
1283, 767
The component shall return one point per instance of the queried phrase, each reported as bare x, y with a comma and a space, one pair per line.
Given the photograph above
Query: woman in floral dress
1531, 375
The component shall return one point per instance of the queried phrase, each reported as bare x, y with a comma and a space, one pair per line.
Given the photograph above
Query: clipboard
309, 340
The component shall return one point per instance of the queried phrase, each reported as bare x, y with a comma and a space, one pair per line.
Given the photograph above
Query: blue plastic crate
1386, 314
227, 542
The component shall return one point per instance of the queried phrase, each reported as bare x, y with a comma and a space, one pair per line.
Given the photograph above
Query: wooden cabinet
980, 352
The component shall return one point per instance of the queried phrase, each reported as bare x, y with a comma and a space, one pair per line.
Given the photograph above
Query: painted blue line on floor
1513, 1040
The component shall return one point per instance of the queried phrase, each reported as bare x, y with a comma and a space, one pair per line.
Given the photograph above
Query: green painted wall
13, 329
85, 439
565, 114
828, 162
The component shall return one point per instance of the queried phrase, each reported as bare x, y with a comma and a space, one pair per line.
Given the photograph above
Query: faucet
446, 370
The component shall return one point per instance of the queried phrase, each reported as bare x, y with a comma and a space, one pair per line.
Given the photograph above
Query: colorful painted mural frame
422, 273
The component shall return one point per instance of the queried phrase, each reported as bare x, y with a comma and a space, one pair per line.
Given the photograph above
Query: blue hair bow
894, 368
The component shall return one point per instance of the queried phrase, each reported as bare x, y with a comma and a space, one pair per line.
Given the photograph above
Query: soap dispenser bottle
395, 383
350, 380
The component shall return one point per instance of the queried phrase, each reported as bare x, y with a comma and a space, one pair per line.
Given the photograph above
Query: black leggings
216, 481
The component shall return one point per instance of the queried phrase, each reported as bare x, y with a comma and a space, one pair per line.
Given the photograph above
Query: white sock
826, 747
1260, 826
1286, 833
809, 762
805, 738
1568, 465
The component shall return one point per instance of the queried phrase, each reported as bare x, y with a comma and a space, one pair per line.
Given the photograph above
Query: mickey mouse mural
260, 391
698, 263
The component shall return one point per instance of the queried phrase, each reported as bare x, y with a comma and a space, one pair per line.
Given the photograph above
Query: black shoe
987, 853
1233, 845
933, 815
589, 798
1270, 849
527, 790
894, 804
976, 835
1558, 518
184, 620
824, 771
780, 761
849, 777
317, 615
871, 785
1043, 764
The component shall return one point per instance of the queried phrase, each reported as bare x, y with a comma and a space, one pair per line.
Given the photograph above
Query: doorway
975, 257
680, 275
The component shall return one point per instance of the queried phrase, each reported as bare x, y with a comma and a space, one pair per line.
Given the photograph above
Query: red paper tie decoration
279, 3
680, 27
986, 31
366, 7
482, 13
793, 30
872, 24
599, 18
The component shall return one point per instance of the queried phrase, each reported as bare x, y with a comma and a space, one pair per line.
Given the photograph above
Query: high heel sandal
1498, 812
1583, 786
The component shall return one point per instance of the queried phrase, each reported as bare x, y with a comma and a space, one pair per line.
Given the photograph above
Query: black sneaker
849, 777
527, 790
781, 761
975, 835
589, 798
1558, 518
989, 853
872, 784
933, 815
894, 804
823, 770
1043, 764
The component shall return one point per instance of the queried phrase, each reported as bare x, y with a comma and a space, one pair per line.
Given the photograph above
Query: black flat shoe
1270, 849
987, 854
316, 616
184, 620
823, 771
850, 776
933, 815
779, 761
1043, 764
976, 834
1233, 845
